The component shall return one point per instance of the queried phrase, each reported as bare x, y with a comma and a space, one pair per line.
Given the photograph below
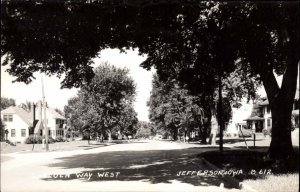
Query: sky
58, 98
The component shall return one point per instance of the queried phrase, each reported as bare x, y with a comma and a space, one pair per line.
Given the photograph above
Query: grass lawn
59, 146
276, 183
258, 172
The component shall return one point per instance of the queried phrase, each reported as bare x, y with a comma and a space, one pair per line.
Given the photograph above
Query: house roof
24, 115
55, 114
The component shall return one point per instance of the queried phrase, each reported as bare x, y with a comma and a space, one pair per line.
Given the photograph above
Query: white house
263, 118
21, 123
18, 122
56, 123
238, 116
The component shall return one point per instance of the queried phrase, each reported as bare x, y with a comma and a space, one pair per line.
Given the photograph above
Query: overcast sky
57, 98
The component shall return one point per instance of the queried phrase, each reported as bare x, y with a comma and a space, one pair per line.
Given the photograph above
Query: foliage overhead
202, 41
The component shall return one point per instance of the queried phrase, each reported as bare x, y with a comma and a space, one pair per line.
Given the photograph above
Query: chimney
33, 112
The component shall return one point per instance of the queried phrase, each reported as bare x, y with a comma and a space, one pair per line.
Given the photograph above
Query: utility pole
45, 118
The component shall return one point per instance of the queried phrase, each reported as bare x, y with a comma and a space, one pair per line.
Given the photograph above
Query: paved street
144, 166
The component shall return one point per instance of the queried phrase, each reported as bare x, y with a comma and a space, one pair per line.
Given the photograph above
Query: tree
105, 104
143, 130
128, 120
2, 130
59, 111
7, 102
201, 41
173, 109
73, 114
26, 106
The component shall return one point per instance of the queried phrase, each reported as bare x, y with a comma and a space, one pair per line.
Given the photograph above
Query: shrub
266, 132
60, 139
51, 140
37, 139
32, 139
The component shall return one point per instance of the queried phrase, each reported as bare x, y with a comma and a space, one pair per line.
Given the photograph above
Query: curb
229, 179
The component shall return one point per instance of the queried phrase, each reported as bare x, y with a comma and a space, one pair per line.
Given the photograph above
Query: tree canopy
105, 105
200, 40
173, 109
7, 102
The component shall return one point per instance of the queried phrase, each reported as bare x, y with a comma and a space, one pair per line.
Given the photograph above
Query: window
268, 109
23, 132
269, 122
7, 118
13, 133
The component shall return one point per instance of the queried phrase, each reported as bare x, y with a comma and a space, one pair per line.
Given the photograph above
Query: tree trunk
206, 101
175, 134
206, 127
281, 144
109, 136
204, 131
101, 137
214, 130
281, 102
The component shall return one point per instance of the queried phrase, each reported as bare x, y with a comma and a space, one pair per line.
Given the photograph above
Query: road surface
143, 166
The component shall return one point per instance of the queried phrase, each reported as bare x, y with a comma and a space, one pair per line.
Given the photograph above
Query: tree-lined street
208, 56
147, 166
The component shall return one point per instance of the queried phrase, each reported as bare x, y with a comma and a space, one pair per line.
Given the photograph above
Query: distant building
238, 116
261, 117
21, 123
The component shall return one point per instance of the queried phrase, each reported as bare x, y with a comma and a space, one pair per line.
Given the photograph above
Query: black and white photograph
149, 96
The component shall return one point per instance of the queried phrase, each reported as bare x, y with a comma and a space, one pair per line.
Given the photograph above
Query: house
18, 123
56, 123
261, 117
21, 123
238, 115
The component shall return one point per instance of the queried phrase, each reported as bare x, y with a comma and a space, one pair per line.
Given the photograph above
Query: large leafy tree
7, 102
73, 114
200, 41
173, 108
143, 130
127, 123
104, 105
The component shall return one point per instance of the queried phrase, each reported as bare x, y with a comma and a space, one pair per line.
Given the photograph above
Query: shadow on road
165, 166
154, 166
